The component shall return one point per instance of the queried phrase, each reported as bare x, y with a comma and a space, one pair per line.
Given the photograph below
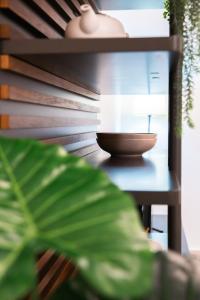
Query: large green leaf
50, 199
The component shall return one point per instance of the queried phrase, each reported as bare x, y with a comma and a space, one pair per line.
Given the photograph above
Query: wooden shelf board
112, 66
147, 179
129, 4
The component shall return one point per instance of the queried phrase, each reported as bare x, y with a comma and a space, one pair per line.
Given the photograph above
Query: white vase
91, 25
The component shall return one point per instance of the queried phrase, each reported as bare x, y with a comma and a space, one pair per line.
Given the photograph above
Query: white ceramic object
91, 25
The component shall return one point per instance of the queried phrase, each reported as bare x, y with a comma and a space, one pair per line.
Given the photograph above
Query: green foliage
52, 200
167, 9
184, 16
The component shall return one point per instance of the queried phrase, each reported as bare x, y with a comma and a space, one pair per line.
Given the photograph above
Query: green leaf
50, 199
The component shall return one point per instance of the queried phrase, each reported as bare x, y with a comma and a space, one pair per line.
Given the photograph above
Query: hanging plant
184, 16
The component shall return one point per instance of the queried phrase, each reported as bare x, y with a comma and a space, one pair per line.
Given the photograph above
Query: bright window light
148, 105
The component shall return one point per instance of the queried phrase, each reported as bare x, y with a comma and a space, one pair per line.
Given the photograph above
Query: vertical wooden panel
26, 14
27, 19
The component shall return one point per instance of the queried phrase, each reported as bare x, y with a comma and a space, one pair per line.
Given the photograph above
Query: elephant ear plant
52, 200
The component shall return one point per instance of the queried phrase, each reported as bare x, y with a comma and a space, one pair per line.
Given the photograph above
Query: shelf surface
147, 178
129, 4
108, 66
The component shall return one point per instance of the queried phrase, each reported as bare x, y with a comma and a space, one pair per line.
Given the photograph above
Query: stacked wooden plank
38, 104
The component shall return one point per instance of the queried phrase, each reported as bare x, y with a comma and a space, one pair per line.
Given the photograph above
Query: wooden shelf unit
47, 69
118, 66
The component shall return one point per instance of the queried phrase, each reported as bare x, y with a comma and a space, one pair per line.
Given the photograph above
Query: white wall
142, 23
191, 176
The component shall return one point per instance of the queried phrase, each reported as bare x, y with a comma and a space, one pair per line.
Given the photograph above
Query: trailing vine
184, 16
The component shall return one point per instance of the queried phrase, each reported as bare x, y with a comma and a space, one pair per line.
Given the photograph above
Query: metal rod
149, 123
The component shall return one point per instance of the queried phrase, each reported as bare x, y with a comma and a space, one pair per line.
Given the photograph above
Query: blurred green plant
184, 16
52, 200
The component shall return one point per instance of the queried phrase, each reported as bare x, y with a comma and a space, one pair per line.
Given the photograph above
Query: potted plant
52, 200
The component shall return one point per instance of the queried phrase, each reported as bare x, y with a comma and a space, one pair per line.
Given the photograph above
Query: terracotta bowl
126, 144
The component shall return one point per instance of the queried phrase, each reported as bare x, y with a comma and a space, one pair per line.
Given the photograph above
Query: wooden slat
4, 31
26, 109
15, 65
28, 96
43, 260
47, 9
77, 5
66, 9
95, 158
4, 121
46, 133
15, 121
58, 264
8, 32
86, 150
18, 8
50, 269
67, 140
10, 29
67, 272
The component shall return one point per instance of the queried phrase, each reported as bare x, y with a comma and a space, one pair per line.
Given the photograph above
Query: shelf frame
88, 61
